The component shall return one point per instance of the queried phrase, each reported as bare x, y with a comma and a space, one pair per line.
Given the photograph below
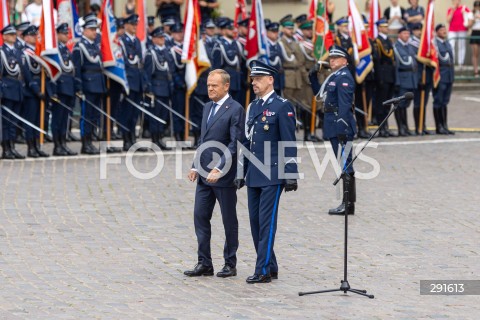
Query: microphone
406, 96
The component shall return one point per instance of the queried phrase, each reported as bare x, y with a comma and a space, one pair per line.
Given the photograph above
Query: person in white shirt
394, 15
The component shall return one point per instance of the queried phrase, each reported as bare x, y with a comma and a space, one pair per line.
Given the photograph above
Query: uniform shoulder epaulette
282, 99
343, 73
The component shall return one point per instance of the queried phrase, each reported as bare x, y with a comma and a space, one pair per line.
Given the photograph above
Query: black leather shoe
227, 271
199, 270
340, 210
362, 134
274, 275
259, 278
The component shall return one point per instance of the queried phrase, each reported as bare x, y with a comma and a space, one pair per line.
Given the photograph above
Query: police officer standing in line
244, 73
200, 95
226, 55
90, 81
384, 65
65, 92
20, 43
116, 89
270, 119
178, 97
151, 27
146, 120
441, 94
158, 74
133, 56
344, 40
167, 24
275, 58
293, 61
426, 86
339, 123
406, 77
12, 73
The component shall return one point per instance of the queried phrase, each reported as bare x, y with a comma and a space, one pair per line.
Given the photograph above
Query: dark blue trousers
205, 198
263, 210
31, 112
8, 124
335, 145
178, 104
89, 113
129, 114
441, 95
60, 115
196, 110
161, 112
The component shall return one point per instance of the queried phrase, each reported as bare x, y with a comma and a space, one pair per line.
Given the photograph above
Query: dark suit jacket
226, 128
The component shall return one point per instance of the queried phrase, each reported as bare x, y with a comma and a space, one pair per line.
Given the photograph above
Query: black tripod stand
345, 286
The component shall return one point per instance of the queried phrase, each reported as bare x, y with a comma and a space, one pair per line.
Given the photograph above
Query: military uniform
90, 82
178, 98
12, 75
268, 121
245, 81
406, 80
158, 66
442, 93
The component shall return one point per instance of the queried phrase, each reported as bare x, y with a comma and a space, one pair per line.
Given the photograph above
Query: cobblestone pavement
74, 246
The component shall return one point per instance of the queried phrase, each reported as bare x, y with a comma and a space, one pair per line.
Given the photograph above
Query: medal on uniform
264, 118
266, 127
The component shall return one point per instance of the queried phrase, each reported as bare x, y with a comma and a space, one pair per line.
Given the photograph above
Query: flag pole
109, 123
422, 101
42, 105
364, 100
247, 94
187, 115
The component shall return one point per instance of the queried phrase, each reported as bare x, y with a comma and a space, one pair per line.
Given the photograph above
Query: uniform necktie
212, 113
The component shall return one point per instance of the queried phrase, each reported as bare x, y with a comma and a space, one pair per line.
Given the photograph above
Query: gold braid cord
388, 54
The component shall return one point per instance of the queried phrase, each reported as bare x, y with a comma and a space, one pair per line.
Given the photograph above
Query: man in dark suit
222, 126
270, 130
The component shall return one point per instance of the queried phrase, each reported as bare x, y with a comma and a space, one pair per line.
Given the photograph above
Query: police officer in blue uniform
32, 93
12, 73
242, 42
20, 43
339, 125
65, 91
226, 55
158, 66
89, 81
442, 93
384, 65
270, 119
151, 27
275, 56
133, 56
167, 23
407, 77
179, 85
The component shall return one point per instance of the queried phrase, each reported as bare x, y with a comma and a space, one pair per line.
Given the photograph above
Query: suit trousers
205, 199
335, 143
263, 210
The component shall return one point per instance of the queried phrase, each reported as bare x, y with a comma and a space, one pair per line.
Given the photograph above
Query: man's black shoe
200, 270
227, 271
340, 210
274, 275
259, 278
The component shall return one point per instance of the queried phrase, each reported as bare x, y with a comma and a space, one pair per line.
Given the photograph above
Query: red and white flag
240, 12
142, 33
194, 54
312, 9
375, 15
47, 46
68, 13
427, 52
361, 46
257, 45
4, 16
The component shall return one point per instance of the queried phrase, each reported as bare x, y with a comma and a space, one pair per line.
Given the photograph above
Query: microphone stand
345, 286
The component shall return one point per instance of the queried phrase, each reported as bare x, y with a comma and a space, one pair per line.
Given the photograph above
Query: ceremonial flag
257, 45
375, 15
313, 9
4, 16
427, 52
240, 10
361, 46
193, 54
142, 33
68, 13
112, 57
323, 36
47, 46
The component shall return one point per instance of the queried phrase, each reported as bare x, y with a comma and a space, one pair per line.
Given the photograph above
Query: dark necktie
212, 114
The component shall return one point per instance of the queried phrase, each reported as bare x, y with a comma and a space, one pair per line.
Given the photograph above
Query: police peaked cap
30, 31
244, 22
382, 23
272, 26
151, 20
267, 22
90, 21
337, 51
131, 19
259, 69
9, 29
224, 23
157, 32
169, 21
62, 28
301, 18
341, 21
209, 24
22, 26
120, 23
404, 28
177, 27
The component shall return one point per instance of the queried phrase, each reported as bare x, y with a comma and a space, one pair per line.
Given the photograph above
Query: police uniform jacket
293, 62
384, 62
19, 44
158, 71
178, 71
445, 58
201, 88
275, 60
272, 122
132, 53
66, 82
88, 67
406, 65
415, 42
12, 73
338, 104
226, 55
33, 68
